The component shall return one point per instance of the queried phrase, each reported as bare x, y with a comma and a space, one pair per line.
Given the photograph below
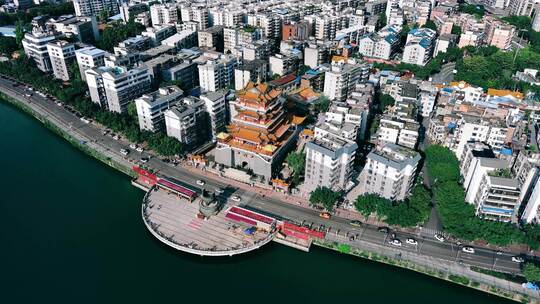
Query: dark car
383, 229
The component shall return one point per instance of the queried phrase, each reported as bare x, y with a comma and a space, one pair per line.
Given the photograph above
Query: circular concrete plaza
174, 221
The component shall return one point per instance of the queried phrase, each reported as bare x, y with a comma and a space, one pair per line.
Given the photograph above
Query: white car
124, 152
200, 182
439, 237
139, 149
395, 242
218, 191
116, 137
517, 259
236, 198
133, 146
411, 241
467, 249
144, 159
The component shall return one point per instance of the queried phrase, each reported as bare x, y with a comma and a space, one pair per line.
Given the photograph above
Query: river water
71, 232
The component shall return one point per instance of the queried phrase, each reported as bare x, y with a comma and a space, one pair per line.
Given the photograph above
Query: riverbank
463, 276
87, 145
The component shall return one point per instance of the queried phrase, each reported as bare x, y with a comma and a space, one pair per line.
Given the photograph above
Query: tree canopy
118, 32
409, 213
531, 272
324, 197
297, 161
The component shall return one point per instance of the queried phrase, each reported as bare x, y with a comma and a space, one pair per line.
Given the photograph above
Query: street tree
324, 197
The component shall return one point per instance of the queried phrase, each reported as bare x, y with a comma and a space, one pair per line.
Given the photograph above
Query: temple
260, 133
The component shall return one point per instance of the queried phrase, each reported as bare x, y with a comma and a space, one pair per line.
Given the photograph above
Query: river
71, 232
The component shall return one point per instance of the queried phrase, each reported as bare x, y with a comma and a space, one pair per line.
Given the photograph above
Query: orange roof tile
501, 93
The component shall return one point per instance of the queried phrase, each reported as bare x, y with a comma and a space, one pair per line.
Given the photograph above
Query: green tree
19, 33
325, 197
386, 101
322, 104
456, 30
368, 204
118, 32
531, 272
430, 25
8, 45
297, 161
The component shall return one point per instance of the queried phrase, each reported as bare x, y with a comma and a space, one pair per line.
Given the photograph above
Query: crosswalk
430, 232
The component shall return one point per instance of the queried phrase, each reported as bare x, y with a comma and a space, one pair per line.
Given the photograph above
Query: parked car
200, 182
467, 249
139, 149
355, 223
218, 191
144, 159
439, 237
325, 215
124, 151
411, 241
395, 242
518, 259
133, 146
236, 198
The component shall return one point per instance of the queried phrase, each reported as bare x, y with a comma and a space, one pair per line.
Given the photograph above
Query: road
446, 75
254, 198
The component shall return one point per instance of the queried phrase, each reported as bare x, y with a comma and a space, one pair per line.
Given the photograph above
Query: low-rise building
419, 46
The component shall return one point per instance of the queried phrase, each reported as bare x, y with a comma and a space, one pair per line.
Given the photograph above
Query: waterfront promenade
89, 136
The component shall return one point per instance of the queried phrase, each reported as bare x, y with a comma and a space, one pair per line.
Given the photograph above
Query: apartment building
419, 46
94, 7
35, 47
316, 54
211, 38
89, 57
115, 87
329, 163
340, 80
390, 172
61, 54
217, 73
152, 106
281, 64
158, 33
217, 108
379, 45
164, 14
187, 121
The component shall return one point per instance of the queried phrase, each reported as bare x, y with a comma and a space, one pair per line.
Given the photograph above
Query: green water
71, 233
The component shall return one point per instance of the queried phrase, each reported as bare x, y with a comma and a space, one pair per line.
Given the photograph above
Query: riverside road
289, 209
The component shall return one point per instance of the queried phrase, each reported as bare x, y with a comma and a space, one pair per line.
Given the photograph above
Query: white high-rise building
62, 54
216, 107
151, 107
340, 81
89, 57
164, 14
186, 121
94, 7
329, 163
390, 172
115, 87
217, 74
35, 47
